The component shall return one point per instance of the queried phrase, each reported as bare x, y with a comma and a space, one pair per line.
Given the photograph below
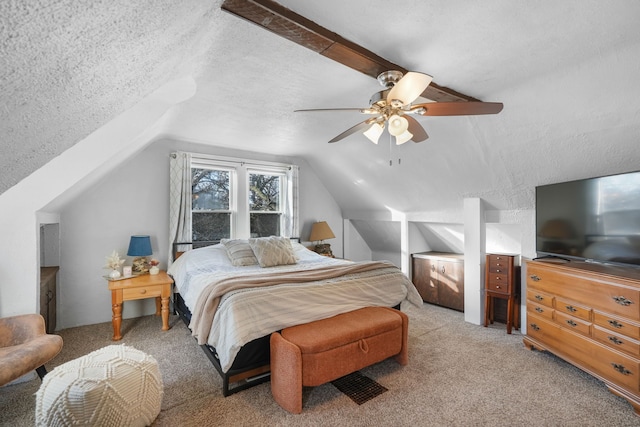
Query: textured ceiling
565, 71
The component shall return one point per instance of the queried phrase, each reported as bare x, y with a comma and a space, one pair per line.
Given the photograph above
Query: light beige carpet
458, 375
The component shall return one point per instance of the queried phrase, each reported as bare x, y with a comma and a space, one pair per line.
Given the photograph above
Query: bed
233, 309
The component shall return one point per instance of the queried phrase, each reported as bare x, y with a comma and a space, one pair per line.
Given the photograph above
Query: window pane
210, 225
264, 224
210, 189
264, 192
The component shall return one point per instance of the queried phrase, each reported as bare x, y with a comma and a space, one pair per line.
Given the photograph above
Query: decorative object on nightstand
156, 286
140, 247
503, 281
113, 263
154, 269
321, 231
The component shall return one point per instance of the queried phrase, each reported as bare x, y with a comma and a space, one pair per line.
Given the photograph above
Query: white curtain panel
179, 201
291, 222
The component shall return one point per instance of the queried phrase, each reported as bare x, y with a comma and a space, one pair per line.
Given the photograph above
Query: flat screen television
595, 219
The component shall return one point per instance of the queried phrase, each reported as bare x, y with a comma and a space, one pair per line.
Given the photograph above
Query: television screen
595, 219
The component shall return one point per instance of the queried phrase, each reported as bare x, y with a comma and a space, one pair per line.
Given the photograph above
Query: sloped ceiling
565, 71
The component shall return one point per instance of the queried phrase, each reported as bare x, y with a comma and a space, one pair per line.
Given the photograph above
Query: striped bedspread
246, 313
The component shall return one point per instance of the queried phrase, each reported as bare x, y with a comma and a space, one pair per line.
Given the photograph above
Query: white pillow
239, 252
273, 250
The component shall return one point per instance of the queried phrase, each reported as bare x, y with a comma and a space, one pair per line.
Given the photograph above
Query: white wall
28, 204
134, 199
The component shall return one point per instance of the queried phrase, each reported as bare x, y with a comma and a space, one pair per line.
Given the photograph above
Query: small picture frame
126, 271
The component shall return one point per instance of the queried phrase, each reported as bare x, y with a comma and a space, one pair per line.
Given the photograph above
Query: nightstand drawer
142, 292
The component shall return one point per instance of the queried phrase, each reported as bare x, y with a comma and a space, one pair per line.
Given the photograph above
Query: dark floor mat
358, 387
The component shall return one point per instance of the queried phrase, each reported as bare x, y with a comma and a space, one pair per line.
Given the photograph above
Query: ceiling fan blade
409, 87
359, 127
360, 110
419, 134
457, 108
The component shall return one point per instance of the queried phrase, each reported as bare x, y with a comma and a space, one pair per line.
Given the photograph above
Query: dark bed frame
252, 363
250, 367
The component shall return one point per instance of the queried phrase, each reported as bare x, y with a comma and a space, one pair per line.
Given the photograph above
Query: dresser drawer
618, 325
573, 323
142, 292
540, 297
612, 365
617, 341
543, 330
539, 310
498, 283
573, 309
500, 264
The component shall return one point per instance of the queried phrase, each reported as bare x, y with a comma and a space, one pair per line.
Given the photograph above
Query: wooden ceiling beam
288, 24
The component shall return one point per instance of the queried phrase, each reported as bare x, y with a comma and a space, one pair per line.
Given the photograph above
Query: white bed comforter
246, 314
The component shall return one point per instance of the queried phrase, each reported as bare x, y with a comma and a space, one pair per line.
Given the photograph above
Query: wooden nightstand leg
116, 320
158, 305
165, 313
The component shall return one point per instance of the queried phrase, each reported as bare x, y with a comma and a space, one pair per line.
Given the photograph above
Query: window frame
239, 172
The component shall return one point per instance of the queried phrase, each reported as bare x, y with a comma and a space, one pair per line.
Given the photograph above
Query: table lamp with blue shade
140, 247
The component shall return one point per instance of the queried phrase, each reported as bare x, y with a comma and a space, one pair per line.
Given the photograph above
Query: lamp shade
139, 246
321, 231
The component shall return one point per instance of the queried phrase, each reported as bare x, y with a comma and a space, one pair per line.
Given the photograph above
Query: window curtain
291, 209
179, 201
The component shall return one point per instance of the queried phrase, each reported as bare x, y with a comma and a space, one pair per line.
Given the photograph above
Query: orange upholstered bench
318, 352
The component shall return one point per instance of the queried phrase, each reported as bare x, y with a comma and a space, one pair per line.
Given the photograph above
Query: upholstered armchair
25, 346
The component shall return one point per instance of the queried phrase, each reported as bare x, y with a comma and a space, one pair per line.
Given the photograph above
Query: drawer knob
534, 327
622, 301
615, 324
615, 340
539, 310
621, 369
571, 323
497, 270
534, 278
497, 286
143, 291
570, 308
539, 297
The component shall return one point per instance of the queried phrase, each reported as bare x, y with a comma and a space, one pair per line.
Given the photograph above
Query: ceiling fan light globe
374, 132
397, 125
403, 137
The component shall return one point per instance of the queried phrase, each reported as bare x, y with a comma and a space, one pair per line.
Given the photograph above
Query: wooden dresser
589, 315
439, 278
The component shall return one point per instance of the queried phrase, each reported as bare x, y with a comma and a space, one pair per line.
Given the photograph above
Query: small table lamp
321, 231
140, 247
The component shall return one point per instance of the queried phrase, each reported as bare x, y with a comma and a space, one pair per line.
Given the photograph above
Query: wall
133, 199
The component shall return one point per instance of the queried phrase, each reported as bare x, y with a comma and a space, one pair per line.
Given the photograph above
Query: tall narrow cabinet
439, 278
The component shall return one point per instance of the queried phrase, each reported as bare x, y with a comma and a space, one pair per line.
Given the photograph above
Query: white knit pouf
114, 386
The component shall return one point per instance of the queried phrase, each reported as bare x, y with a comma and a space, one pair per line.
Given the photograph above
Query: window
265, 212
234, 200
211, 204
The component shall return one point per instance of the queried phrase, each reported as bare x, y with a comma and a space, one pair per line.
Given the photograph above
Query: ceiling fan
394, 106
